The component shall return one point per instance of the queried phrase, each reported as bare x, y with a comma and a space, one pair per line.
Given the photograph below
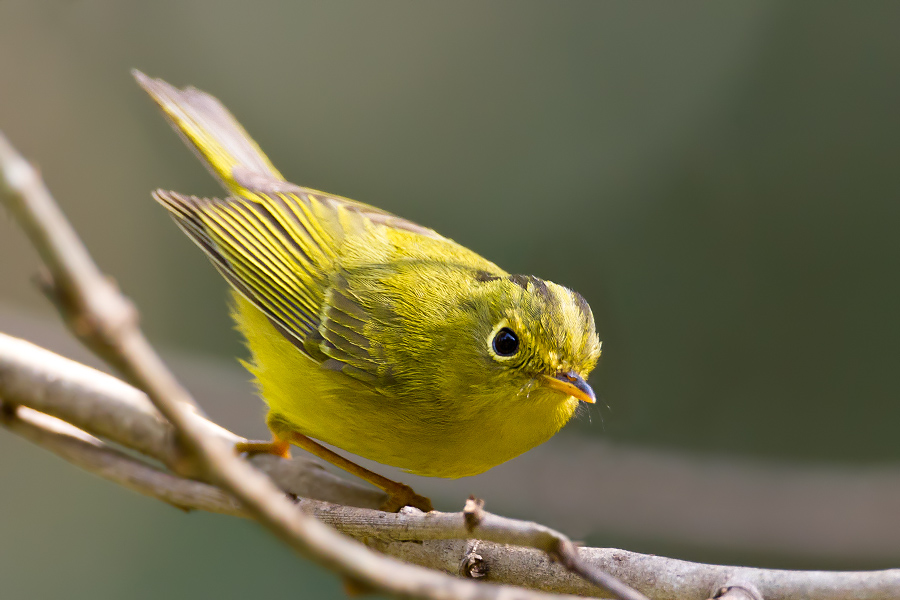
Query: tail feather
214, 134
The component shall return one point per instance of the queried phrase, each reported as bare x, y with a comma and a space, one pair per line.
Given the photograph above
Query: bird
372, 333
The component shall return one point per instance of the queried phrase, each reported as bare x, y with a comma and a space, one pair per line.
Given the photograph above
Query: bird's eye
506, 342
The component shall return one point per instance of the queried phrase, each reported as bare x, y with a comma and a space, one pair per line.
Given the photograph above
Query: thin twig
106, 320
494, 528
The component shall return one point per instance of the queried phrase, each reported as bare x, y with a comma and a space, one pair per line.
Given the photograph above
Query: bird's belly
400, 433
423, 436
393, 431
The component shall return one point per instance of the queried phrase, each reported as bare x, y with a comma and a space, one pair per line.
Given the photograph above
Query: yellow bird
372, 333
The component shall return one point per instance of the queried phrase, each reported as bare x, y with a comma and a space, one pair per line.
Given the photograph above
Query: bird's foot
400, 495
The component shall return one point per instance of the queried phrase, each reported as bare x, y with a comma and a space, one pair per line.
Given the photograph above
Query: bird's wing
278, 244
283, 253
277, 259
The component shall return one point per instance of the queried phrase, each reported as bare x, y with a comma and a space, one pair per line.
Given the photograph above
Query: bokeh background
719, 180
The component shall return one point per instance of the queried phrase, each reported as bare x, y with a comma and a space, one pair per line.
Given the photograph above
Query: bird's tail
214, 134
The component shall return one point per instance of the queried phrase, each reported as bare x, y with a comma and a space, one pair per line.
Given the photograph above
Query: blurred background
719, 180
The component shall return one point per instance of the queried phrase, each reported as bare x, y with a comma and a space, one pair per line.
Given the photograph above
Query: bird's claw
403, 495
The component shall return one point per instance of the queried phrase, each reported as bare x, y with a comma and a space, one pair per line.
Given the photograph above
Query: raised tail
214, 134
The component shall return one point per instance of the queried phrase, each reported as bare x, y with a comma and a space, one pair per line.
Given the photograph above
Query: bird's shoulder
393, 300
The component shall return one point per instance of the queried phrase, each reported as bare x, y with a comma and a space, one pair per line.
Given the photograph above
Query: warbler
372, 333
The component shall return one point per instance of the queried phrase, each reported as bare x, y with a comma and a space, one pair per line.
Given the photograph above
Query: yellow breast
425, 436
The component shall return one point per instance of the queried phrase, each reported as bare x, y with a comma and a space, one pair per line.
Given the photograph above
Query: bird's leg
399, 494
277, 446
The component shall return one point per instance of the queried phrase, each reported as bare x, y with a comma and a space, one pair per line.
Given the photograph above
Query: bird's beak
571, 384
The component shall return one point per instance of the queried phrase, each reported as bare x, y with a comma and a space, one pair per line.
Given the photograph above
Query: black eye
506, 342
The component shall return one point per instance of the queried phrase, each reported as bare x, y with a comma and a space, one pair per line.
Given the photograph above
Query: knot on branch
473, 512
473, 565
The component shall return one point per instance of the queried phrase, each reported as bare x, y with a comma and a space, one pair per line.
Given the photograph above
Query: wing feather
264, 252
278, 244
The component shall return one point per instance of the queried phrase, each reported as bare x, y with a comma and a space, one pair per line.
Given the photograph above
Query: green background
719, 180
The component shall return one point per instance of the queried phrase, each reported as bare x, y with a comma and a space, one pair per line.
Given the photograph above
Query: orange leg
277, 447
399, 494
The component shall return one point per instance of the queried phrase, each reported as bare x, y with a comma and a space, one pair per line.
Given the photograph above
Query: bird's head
535, 335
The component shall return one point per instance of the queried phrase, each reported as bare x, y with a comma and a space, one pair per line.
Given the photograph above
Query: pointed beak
572, 384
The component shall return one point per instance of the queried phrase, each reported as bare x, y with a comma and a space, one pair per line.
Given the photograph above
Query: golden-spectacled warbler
372, 333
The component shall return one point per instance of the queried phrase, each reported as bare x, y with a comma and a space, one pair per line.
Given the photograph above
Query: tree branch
93, 455
422, 538
33, 379
111, 409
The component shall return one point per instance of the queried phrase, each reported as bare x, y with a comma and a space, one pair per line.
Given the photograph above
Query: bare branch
420, 538
111, 409
659, 577
41, 380
123, 414
107, 321
92, 455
